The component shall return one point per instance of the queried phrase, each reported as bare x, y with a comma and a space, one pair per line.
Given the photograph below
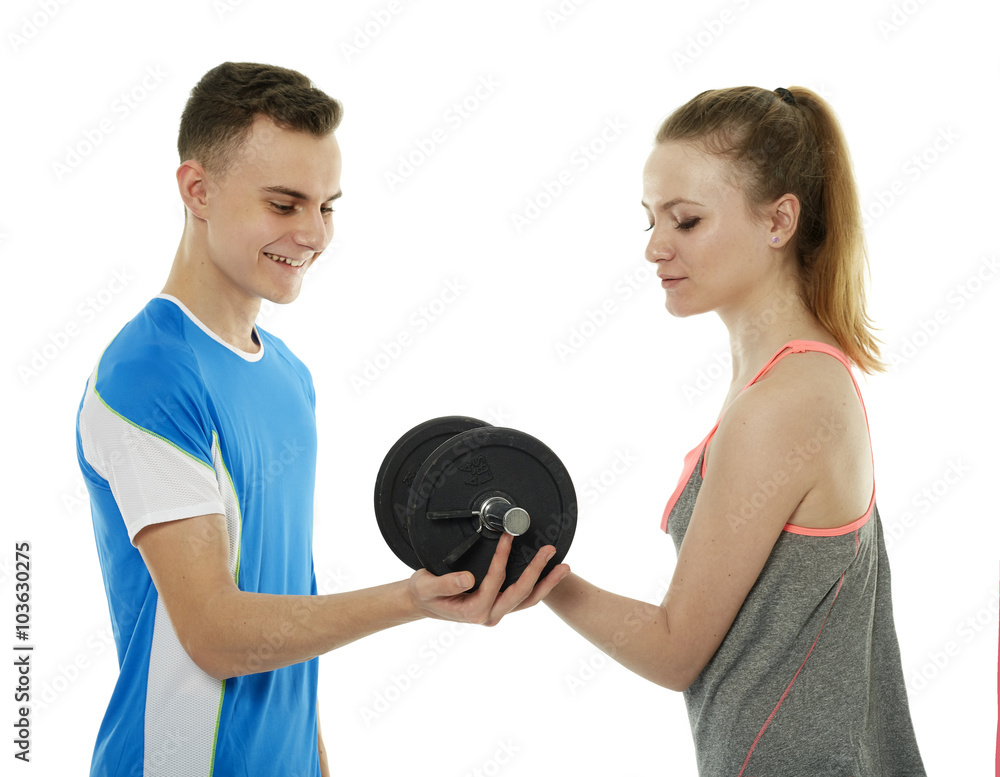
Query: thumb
455, 583
463, 581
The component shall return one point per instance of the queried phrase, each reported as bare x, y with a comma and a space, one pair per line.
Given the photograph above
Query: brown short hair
223, 105
794, 145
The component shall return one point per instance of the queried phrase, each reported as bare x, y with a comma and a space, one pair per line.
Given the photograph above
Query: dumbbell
451, 487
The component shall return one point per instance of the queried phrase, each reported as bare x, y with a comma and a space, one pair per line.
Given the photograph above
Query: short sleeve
145, 428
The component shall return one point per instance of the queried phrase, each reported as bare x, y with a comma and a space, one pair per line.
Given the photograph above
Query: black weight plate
466, 469
392, 485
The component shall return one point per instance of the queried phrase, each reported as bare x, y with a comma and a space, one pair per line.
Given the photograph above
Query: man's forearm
246, 632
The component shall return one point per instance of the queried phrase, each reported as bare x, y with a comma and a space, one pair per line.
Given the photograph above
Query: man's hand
442, 597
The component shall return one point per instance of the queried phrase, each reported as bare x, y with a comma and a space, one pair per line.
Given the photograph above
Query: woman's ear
783, 219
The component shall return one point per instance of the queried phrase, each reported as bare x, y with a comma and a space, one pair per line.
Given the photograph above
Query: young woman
777, 624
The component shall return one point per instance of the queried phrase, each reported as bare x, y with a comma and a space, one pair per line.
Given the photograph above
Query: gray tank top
808, 679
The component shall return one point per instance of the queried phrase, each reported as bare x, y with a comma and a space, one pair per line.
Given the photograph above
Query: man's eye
327, 210
283, 208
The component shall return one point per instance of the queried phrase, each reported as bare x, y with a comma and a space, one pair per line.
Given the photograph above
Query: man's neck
212, 298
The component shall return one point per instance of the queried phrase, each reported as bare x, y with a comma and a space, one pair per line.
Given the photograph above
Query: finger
497, 572
429, 586
544, 588
521, 589
456, 583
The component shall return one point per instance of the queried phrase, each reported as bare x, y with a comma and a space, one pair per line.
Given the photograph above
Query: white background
644, 386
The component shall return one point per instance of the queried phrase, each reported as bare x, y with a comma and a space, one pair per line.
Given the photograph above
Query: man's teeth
286, 260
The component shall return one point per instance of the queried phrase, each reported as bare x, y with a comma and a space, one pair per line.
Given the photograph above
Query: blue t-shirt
177, 423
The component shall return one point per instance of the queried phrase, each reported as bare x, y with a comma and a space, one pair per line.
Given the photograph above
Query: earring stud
774, 240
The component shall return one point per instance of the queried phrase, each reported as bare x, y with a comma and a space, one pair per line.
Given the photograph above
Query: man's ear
193, 186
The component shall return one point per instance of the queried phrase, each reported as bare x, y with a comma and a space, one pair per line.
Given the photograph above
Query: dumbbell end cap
516, 521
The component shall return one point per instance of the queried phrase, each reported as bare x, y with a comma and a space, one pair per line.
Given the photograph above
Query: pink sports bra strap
805, 346
801, 346
696, 454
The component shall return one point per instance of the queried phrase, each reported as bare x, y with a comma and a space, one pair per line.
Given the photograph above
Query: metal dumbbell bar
450, 487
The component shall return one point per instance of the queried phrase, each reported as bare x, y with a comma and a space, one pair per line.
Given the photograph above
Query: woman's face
710, 252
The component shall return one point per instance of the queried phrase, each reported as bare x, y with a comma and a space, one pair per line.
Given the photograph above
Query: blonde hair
794, 145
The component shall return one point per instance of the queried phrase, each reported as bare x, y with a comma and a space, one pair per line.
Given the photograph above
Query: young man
208, 565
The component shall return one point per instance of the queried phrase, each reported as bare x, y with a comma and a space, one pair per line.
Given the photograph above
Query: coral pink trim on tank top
690, 462
836, 531
691, 459
792, 681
